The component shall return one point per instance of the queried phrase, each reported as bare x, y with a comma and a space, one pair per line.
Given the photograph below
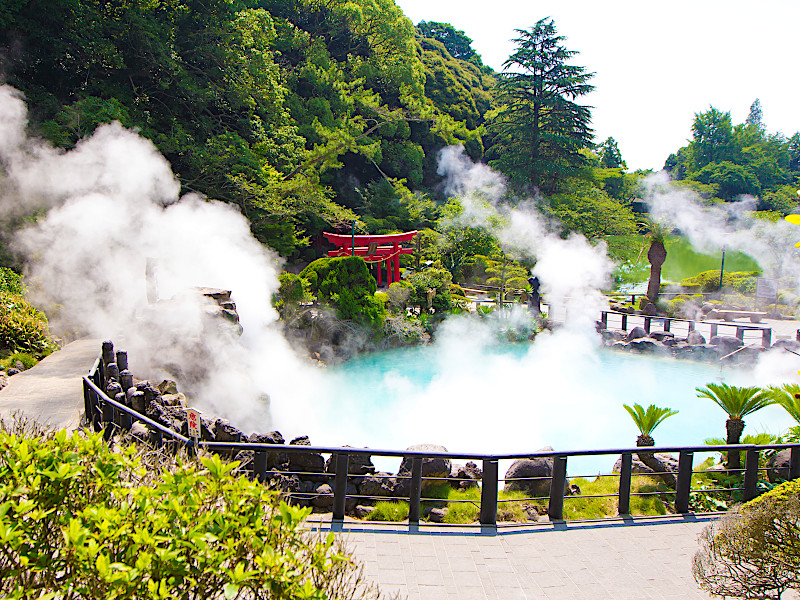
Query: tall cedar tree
539, 129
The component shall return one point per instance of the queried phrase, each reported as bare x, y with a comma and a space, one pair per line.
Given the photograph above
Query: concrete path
51, 392
595, 560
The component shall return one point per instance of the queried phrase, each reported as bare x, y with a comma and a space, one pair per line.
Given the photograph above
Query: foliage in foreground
754, 551
22, 327
80, 520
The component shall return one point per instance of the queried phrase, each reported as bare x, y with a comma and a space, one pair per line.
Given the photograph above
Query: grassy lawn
464, 506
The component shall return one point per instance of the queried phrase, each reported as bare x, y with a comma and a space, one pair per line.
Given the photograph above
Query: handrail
104, 412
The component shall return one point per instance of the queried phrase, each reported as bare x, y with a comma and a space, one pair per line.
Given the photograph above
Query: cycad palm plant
647, 420
738, 402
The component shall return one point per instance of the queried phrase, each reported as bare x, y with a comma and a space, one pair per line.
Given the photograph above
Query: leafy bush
79, 520
439, 281
743, 282
11, 282
346, 284
293, 290
754, 551
22, 327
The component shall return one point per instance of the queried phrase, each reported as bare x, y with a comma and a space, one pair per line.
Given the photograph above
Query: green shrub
22, 327
293, 290
346, 284
392, 511
754, 550
11, 282
80, 520
743, 282
27, 360
439, 281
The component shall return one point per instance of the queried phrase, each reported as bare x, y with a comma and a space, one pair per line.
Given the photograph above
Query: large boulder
305, 462
377, 485
792, 345
695, 338
638, 467
726, 343
662, 336
647, 346
778, 466
533, 476
274, 437
463, 477
431, 467
637, 333
357, 464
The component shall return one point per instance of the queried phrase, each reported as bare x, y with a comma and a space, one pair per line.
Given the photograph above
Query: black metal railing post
415, 488
750, 474
488, 514
555, 508
340, 486
794, 463
626, 468
683, 485
260, 465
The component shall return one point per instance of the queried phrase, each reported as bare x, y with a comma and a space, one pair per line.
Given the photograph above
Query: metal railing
108, 415
690, 324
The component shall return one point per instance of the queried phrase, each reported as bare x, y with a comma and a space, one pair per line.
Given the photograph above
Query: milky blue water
477, 396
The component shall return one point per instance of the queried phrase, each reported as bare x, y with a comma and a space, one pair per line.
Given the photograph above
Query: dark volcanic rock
778, 466
532, 475
636, 333
431, 467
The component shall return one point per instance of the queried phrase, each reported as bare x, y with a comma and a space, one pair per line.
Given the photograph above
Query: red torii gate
378, 249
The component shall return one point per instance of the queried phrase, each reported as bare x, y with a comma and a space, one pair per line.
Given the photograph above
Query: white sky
656, 64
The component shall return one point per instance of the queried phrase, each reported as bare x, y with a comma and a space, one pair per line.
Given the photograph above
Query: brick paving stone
616, 560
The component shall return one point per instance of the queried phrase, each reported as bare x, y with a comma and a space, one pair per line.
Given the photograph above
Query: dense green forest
310, 114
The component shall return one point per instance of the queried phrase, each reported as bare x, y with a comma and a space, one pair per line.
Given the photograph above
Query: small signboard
193, 419
767, 288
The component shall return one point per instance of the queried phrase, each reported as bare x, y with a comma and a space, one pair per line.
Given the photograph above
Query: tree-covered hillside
308, 114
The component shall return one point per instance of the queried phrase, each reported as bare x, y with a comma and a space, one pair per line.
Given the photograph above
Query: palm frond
648, 419
788, 396
738, 402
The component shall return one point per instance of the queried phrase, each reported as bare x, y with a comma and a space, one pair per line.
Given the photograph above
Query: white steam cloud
731, 226
111, 203
571, 270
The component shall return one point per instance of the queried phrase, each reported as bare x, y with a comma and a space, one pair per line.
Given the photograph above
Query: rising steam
106, 206
111, 203
571, 270
732, 225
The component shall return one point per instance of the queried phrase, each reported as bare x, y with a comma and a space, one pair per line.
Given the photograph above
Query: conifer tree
539, 128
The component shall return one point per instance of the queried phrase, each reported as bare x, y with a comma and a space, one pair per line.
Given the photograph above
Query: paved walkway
51, 392
595, 560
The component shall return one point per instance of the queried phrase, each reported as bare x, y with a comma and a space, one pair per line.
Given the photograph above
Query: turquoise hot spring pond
562, 391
